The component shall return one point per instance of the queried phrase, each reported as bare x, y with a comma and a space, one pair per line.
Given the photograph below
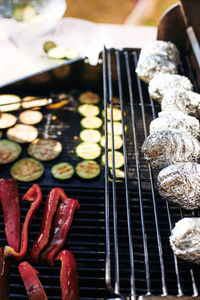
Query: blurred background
130, 12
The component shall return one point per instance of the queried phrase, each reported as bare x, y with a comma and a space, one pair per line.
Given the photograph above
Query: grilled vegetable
9, 196
51, 203
116, 112
89, 98
57, 53
32, 284
88, 110
88, 150
4, 276
90, 135
117, 141
72, 53
119, 159
91, 122
45, 149
119, 174
27, 169
32, 101
30, 117
68, 276
24, 13
62, 171
7, 120
48, 45
9, 151
21, 133
34, 195
117, 128
59, 230
88, 169
8, 98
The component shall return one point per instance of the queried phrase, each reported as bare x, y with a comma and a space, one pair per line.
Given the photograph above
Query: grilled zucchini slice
117, 114
62, 171
90, 135
21, 133
88, 169
118, 142
33, 102
119, 159
117, 128
88, 150
30, 117
48, 45
88, 110
27, 169
9, 151
57, 53
24, 13
9, 98
91, 122
89, 98
7, 120
45, 149
119, 175
72, 53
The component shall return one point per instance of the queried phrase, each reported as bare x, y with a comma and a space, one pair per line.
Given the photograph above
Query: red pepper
34, 195
4, 276
32, 284
68, 275
61, 226
9, 195
50, 207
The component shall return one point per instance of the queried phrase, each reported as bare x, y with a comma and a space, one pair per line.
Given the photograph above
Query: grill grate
139, 260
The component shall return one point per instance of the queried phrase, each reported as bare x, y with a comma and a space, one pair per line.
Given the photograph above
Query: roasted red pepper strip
50, 207
32, 284
34, 195
9, 195
68, 275
4, 276
61, 226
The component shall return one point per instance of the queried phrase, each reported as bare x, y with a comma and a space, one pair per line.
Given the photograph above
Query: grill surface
120, 236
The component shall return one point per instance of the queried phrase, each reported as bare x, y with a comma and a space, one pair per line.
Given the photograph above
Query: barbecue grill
120, 236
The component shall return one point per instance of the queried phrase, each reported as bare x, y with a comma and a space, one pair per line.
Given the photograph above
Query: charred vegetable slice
30, 117
117, 142
117, 114
21, 133
91, 122
7, 120
48, 45
9, 98
89, 98
88, 110
119, 174
117, 128
27, 169
119, 159
45, 149
88, 169
62, 171
9, 151
90, 135
88, 150
32, 101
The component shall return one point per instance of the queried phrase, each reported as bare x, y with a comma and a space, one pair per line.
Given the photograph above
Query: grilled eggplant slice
153, 64
165, 147
90, 135
30, 117
62, 171
88, 150
45, 149
7, 120
88, 110
88, 169
21, 133
161, 83
91, 122
27, 169
119, 159
176, 121
9, 98
182, 100
118, 142
9, 151
89, 98
180, 183
185, 239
